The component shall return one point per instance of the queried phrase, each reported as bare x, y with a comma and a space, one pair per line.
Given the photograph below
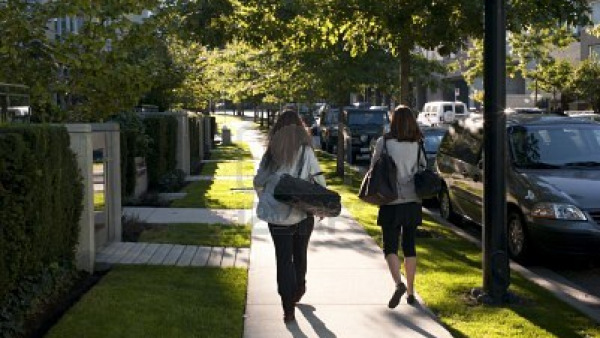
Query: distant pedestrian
289, 148
400, 218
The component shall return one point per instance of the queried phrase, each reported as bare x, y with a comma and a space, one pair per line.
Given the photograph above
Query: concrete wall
81, 144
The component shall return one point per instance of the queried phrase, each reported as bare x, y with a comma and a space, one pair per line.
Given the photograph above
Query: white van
440, 112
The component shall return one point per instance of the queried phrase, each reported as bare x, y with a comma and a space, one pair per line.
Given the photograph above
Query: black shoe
289, 316
299, 293
411, 299
395, 300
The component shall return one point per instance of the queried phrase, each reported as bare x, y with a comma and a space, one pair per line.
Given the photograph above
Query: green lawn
218, 194
449, 267
234, 151
155, 301
242, 168
227, 235
98, 200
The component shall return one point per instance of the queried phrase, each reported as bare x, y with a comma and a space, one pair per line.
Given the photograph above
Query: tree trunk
405, 71
340, 141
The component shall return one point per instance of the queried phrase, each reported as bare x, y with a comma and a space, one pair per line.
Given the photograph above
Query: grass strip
156, 301
217, 194
242, 168
98, 200
449, 266
235, 151
227, 235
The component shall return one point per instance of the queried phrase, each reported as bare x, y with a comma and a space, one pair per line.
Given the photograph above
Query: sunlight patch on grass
242, 168
227, 235
234, 151
98, 200
218, 194
449, 267
156, 301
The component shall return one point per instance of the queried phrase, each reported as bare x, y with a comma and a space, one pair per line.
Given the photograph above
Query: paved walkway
190, 215
348, 285
196, 178
172, 254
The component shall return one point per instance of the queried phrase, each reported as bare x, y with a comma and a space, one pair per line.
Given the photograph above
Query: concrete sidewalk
348, 287
348, 284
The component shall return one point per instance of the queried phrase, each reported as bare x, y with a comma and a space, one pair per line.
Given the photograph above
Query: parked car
437, 113
524, 110
328, 128
432, 138
587, 116
361, 126
553, 182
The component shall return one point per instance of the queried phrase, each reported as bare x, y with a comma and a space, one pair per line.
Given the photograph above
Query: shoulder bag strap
301, 161
421, 150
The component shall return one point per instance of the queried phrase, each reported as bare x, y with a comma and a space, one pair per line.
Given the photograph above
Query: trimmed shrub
162, 152
41, 197
134, 143
194, 132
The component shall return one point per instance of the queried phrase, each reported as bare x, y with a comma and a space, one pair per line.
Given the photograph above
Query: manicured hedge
162, 153
40, 206
194, 133
134, 143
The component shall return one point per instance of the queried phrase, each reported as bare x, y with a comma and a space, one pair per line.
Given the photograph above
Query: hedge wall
194, 134
134, 143
40, 204
162, 151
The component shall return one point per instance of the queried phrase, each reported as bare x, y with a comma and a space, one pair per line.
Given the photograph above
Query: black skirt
403, 214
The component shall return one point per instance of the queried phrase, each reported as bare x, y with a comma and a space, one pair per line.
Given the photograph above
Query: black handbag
307, 195
380, 184
428, 184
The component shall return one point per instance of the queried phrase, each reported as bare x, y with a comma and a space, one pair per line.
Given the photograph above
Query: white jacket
405, 156
269, 209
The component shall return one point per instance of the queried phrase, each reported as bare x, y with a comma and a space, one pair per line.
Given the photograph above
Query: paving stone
216, 255
133, 253
228, 258
174, 255
121, 251
103, 254
187, 255
146, 254
160, 254
242, 258
201, 256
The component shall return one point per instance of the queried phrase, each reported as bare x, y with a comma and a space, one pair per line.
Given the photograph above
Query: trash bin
226, 136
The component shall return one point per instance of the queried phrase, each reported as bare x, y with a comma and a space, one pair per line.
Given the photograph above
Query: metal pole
495, 260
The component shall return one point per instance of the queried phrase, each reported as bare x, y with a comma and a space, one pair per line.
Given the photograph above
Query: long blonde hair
285, 139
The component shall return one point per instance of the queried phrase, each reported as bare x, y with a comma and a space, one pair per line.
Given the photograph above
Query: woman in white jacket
400, 218
288, 150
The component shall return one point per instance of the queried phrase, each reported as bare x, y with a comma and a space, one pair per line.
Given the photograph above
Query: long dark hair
285, 139
403, 126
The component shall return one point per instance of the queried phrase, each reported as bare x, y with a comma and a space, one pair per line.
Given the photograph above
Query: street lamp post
495, 259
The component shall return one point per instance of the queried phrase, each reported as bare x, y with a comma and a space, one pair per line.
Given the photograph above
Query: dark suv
361, 126
553, 181
328, 128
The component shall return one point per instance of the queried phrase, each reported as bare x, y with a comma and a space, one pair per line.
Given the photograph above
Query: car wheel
518, 242
446, 210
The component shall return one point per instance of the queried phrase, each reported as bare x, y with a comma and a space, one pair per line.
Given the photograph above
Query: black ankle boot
395, 300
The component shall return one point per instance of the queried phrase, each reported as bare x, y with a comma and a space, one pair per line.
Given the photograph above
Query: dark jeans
291, 244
